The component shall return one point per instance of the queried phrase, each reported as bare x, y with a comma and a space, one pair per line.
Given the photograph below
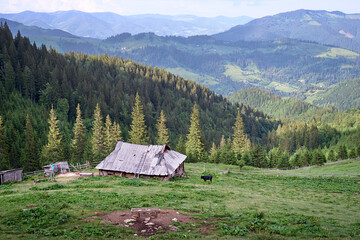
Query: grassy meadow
237, 204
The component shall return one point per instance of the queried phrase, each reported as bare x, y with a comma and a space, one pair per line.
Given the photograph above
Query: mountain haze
36, 32
332, 28
105, 24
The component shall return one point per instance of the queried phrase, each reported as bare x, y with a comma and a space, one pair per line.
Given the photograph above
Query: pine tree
4, 161
331, 156
52, 151
138, 128
352, 153
31, 152
342, 152
194, 146
213, 153
97, 135
78, 143
108, 136
239, 141
222, 142
163, 135
180, 147
116, 134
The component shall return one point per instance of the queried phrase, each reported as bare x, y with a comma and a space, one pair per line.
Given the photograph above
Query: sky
205, 8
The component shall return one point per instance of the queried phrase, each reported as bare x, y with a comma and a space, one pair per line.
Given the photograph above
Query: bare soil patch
68, 176
146, 226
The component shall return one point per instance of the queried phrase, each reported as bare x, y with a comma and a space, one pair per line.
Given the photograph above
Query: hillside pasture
236, 204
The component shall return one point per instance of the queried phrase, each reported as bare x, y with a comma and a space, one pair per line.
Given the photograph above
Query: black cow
207, 177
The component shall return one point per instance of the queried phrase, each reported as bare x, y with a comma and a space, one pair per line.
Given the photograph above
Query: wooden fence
76, 166
29, 174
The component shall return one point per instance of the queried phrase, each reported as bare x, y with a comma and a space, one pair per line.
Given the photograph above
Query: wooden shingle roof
153, 160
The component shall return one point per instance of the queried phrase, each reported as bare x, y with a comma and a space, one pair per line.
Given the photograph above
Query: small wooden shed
11, 175
59, 167
134, 161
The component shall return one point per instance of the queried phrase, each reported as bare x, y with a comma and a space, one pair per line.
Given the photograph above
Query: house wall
178, 172
15, 175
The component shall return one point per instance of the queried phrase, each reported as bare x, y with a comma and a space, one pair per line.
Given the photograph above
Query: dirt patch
146, 226
65, 177
68, 176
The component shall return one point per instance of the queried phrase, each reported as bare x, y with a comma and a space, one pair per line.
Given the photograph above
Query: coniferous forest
74, 106
35, 80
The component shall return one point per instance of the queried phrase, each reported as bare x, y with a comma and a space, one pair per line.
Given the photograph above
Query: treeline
33, 80
292, 145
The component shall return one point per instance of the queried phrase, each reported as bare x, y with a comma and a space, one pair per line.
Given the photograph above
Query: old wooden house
11, 175
59, 167
134, 161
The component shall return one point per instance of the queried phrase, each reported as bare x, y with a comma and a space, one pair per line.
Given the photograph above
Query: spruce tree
222, 142
342, 152
116, 134
31, 152
138, 128
97, 135
239, 141
108, 136
4, 161
52, 151
163, 135
194, 145
331, 156
213, 153
180, 147
78, 143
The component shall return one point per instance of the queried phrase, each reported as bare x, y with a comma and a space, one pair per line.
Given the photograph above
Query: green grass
338, 52
283, 87
204, 79
341, 167
237, 74
252, 206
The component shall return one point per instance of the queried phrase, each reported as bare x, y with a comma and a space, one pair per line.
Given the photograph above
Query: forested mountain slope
276, 106
32, 80
344, 95
285, 67
334, 28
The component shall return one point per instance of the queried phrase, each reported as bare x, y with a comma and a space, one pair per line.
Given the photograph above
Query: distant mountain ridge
332, 28
33, 31
105, 24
